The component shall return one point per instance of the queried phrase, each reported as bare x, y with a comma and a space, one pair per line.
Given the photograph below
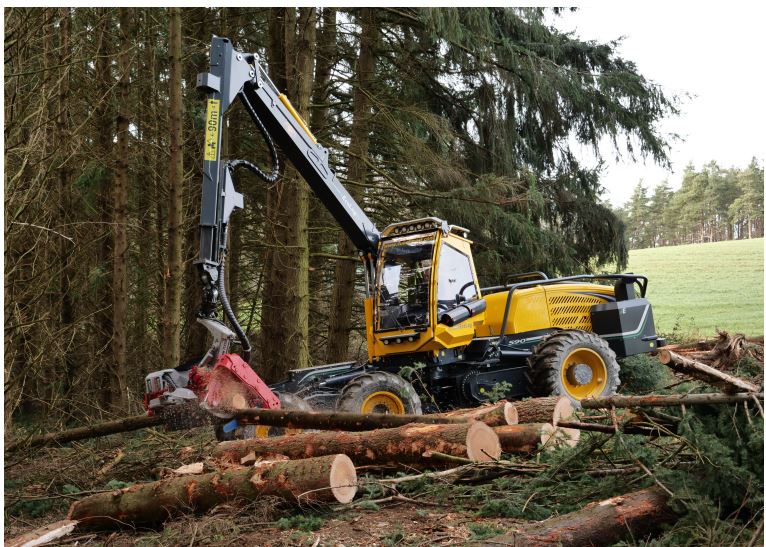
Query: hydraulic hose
243, 340
234, 164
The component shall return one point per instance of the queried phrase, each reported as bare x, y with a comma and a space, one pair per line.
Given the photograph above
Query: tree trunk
500, 413
67, 273
345, 270
407, 444
171, 343
544, 409
633, 516
709, 375
284, 333
120, 222
104, 135
330, 478
87, 432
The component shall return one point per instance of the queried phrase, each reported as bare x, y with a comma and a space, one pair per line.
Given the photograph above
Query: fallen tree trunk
500, 413
543, 410
342, 421
606, 522
87, 432
629, 428
475, 441
631, 401
330, 478
525, 438
705, 373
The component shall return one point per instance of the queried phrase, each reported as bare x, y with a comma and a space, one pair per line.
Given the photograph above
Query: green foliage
304, 523
70, 489
32, 508
480, 530
642, 374
498, 391
394, 538
713, 204
368, 505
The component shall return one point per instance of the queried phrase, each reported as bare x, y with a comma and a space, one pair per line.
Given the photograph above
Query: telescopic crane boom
236, 75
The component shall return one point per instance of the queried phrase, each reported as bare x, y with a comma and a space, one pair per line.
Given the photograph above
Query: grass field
696, 288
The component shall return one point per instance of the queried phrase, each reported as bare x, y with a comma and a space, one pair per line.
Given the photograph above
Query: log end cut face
343, 479
511, 414
482, 443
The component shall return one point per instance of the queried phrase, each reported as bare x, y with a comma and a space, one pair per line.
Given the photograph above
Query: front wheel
379, 393
575, 364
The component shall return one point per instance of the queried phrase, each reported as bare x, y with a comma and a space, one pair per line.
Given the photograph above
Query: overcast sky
714, 52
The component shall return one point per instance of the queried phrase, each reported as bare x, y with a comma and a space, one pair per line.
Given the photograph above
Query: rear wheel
575, 364
379, 393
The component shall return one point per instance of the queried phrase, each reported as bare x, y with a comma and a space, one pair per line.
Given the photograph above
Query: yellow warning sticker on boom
212, 122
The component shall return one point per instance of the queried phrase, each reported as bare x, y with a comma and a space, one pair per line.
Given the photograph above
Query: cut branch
631, 401
705, 373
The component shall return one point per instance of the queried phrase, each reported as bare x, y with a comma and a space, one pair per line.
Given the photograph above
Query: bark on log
525, 438
604, 523
500, 413
544, 409
476, 441
632, 401
705, 373
87, 432
330, 478
343, 421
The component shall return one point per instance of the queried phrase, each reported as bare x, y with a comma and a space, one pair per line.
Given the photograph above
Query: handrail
498, 288
524, 284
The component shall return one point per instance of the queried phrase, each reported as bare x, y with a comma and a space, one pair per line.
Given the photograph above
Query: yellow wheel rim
597, 383
262, 431
383, 402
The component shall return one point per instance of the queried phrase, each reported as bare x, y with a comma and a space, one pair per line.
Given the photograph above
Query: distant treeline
713, 204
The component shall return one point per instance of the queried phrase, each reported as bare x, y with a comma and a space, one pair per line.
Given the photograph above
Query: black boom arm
235, 75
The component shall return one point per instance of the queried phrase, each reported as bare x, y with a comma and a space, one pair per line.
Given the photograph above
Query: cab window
455, 282
405, 278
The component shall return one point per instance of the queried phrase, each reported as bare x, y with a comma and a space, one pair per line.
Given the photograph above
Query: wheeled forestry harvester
424, 307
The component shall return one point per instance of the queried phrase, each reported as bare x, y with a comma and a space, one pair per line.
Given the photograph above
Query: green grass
695, 289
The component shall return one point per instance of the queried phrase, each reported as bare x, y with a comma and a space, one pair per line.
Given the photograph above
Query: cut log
46, 534
544, 410
632, 401
705, 373
343, 421
87, 432
500, 413
606, 522
525, 438
475, 441
330, 478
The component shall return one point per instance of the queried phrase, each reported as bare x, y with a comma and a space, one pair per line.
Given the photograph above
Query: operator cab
424, 271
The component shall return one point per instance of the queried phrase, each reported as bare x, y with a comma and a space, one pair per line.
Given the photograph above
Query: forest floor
713, 466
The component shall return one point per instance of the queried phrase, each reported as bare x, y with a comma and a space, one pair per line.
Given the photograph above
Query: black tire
550, 358
287, 401
392, 388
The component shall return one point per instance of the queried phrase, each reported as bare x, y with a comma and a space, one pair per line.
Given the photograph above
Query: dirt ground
39, 489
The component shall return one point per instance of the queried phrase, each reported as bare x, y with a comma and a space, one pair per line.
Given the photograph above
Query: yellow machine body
560, 306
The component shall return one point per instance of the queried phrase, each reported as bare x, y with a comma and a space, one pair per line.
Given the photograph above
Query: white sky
715, 53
